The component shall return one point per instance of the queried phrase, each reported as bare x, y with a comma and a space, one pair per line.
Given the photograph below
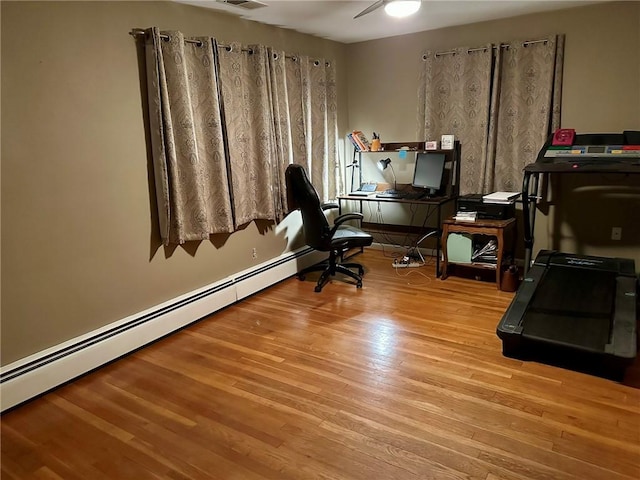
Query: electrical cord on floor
413, 272
409, 249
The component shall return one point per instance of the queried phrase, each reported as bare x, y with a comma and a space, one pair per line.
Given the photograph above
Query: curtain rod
138, 32
483, 49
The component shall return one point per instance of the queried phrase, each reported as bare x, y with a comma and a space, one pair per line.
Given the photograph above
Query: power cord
413, 272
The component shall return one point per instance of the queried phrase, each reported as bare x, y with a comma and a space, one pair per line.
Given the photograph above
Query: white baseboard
42, 371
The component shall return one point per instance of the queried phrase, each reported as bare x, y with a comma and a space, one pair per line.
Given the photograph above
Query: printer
488, 211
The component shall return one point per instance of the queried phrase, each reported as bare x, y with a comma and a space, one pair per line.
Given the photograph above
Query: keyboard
360, 193
391, 194
415, 195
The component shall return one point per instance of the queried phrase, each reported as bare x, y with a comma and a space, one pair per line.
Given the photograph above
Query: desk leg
500, 237
438, 243
445, 235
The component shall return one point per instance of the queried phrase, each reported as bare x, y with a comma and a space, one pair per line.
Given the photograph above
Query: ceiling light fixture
402, 8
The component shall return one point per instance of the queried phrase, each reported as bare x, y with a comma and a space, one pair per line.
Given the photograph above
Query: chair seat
352, 235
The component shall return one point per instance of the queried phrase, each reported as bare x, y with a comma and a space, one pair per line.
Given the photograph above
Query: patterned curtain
454, 99
313, 114
282, 119
244, 80
323, 128
225, 123
502, 114
526, 107
187, 141
296, 72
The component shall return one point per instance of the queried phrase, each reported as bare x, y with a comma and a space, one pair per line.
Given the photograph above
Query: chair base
329, 269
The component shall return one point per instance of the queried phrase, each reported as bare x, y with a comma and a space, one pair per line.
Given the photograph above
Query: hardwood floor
402, 379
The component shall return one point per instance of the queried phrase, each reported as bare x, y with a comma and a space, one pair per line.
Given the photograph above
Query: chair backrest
302, 195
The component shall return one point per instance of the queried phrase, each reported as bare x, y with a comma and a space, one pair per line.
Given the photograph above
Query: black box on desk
472, 202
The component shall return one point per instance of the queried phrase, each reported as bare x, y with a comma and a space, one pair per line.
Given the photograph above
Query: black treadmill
575, 311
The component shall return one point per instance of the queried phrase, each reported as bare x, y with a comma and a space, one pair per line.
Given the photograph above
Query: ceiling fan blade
371, 8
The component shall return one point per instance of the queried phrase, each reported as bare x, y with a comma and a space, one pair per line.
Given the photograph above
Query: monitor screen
429, 171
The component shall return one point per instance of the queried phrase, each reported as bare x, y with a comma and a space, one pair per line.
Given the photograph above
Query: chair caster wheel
317, 289
301, 277
359, 285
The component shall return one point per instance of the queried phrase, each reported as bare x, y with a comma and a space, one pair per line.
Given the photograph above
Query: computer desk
438, 202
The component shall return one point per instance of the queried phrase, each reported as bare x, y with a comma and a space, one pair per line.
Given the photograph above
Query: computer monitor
429, 171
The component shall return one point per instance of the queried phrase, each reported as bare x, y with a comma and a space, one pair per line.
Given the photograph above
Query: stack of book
359, 141
504, 198
465, 216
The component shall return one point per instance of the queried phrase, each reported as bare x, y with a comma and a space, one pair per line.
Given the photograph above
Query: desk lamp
383, 164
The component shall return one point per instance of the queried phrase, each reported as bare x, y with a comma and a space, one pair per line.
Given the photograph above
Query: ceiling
333, 19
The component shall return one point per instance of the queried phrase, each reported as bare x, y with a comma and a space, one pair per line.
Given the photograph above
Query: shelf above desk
427, 162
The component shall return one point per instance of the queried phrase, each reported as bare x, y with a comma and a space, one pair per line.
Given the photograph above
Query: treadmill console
595, 151
612, 152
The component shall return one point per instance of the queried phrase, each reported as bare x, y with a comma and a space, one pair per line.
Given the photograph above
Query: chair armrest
329, 206
345, 217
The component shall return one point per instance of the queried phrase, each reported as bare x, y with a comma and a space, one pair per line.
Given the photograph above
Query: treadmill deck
574, 310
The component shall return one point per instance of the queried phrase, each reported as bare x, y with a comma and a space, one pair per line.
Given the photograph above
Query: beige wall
601, 93
79, 246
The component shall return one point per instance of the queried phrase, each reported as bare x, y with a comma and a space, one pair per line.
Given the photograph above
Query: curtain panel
313, 119
454, 99
321, 106
501, 102
244, 78
186, 135
225, 123
282, 127
526, 108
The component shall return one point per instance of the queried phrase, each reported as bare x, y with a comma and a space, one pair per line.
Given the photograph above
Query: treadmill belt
572, 307
576, 291
584, 333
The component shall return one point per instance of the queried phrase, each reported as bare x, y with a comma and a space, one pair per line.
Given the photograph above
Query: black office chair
336, 239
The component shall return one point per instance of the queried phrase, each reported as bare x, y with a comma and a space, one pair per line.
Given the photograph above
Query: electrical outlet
254, 253
616, 233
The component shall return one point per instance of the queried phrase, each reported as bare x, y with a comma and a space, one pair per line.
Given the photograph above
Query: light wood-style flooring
403, 379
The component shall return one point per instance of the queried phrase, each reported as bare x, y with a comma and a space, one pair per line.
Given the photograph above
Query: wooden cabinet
503, 230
